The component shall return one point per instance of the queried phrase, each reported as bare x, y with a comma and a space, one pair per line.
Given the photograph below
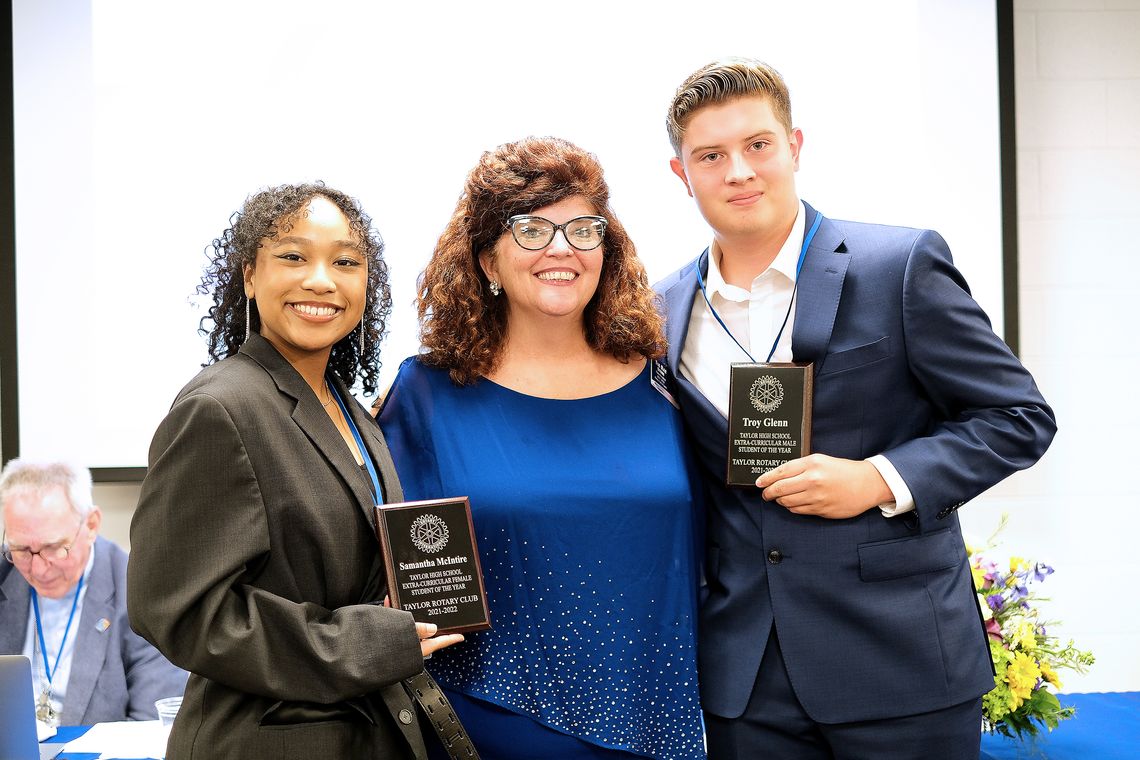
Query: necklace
342, 427
328, 393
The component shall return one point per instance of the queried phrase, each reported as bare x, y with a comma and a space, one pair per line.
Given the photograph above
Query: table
66, 734
1106, 727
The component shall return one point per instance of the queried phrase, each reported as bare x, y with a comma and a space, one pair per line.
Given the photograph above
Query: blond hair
720, 82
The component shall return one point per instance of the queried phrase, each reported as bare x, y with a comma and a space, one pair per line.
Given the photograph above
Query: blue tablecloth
1106, 727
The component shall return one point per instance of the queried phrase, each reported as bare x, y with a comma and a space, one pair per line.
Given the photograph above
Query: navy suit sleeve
992, 420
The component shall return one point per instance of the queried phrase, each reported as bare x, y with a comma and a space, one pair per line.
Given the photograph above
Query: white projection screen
141, 126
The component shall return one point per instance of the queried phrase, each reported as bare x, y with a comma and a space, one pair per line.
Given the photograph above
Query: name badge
660, 379
769, 418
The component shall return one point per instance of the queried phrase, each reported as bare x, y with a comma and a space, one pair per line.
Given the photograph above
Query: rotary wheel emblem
429, 533
766, 394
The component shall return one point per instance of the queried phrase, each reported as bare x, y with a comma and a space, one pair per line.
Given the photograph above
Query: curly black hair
263, 215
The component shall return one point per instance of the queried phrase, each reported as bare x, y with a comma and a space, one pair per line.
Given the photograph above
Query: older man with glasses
63, 603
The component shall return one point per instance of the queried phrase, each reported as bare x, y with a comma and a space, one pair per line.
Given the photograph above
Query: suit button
406, 717
775, 557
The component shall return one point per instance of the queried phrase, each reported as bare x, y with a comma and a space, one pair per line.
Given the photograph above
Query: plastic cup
167, 709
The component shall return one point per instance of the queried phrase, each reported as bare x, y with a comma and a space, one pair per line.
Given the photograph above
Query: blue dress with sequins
588, 527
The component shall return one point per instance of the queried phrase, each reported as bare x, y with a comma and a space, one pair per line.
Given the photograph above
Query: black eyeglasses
535, 233
21, 556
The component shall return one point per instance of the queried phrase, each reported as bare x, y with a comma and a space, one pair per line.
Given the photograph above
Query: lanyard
40, 629
788, 313
360, 444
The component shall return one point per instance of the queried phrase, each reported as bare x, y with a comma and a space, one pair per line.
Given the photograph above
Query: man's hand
429, 642
825, 486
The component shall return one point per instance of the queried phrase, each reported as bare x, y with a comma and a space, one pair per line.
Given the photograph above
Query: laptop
18, 739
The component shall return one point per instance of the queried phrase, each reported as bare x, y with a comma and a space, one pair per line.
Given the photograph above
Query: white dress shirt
754, 317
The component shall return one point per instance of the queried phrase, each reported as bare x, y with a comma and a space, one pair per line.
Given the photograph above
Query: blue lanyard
40, 629
795, 287
376, 493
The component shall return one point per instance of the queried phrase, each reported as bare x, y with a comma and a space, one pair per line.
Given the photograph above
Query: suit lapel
312, 419
818, 290
92, 637
315, 422
378, 448
14, 601
678, 307
711, 430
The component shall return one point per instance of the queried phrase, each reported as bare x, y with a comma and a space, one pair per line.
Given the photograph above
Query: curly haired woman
534, 397
254, 562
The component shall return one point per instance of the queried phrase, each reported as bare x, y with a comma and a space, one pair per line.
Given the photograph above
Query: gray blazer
115, 675
255, 566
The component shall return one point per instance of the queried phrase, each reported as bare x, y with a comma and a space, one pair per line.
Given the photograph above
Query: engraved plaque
769, 418
433, 563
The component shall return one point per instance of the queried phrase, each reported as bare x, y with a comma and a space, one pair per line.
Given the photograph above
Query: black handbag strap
443, 719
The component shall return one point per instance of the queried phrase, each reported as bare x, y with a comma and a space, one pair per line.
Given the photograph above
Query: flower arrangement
1026, 655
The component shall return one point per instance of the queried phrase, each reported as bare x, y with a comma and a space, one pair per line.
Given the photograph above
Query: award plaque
769, 418
433, 563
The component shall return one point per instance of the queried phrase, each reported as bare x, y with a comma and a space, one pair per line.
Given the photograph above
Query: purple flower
995, 602
1041, 571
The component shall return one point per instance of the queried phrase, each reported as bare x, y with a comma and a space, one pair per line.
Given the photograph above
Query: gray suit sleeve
198, 538
150, 677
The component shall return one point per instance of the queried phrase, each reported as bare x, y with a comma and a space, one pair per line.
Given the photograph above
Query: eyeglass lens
535, 233
48, 554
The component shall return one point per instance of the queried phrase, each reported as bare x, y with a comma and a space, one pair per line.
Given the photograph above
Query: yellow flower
1017, 564
1024, 637
979, 576
1021, 675
1049, 674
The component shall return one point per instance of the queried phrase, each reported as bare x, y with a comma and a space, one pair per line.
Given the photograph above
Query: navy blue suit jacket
876, 616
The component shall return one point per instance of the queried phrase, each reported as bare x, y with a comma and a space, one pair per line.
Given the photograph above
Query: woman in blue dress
534, 396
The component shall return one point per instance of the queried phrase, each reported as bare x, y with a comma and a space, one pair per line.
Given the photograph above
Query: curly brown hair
463, 327
262, 216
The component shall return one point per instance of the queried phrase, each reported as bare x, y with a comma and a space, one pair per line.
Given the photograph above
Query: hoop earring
246, 319
496, 289
363, 316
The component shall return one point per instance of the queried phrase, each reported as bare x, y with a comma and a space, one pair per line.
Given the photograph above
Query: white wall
1078, 97
150, 122
1078, 132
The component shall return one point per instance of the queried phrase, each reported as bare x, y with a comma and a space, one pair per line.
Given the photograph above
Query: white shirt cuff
904, 501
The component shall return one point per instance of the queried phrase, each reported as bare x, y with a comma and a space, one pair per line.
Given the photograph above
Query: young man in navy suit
841, 620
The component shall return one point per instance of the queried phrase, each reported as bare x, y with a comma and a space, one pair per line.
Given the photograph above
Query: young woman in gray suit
255, 564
